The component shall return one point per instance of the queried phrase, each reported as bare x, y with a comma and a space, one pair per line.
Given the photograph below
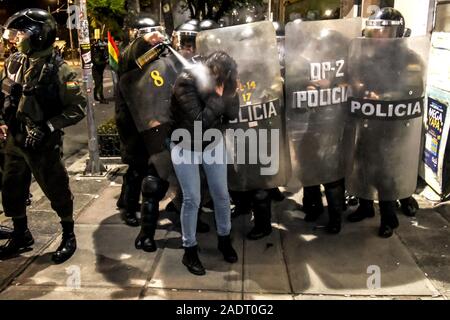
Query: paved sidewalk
297, 261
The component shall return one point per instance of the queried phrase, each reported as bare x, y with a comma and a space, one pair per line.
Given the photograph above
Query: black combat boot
365, 210
312, 203
192, 261
149, 221
20, 239
409, 206
153, 191
5, 232
129, 197
389, 220
335, 193
262, 215
68, 244
225, 246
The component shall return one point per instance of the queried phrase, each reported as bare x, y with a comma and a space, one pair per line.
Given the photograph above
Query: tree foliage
107, 15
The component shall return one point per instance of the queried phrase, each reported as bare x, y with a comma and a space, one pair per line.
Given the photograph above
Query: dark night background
8, 7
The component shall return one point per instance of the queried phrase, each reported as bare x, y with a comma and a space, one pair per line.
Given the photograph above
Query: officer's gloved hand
35, 136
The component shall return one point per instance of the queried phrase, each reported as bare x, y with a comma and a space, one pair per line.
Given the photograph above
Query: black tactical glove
35, 136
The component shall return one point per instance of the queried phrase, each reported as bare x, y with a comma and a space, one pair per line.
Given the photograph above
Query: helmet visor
382, 31
11, 35
143, 31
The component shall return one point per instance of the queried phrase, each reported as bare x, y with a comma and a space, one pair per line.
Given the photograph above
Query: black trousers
47, 168
97, 74
131, 187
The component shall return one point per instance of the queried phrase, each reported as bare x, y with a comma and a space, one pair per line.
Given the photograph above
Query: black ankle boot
17, 242
312, 203
68, 244
389, 220
409, 206
5, 232
20, 239
225, 246
365, 210
192, 261
129, 217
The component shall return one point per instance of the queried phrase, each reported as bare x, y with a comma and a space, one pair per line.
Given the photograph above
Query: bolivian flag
113, 53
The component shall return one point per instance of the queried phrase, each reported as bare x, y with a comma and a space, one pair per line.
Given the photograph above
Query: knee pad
154, 187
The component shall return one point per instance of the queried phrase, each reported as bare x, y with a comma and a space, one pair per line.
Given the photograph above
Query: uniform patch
71, 85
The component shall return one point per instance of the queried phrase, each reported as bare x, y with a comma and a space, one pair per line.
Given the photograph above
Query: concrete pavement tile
106, 257
88, 186
66, 293
220, 275
428, 233
263, 259
44, 222
437, 269
444, 209
168, 294
267, 296
338, 264
103, 209
79, 203
11, 266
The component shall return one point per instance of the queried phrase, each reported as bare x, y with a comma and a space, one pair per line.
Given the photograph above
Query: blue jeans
188, 174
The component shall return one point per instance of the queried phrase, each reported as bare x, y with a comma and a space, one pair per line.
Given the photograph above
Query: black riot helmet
195, 22
183, 38
141, 25
208, 24
385, 23
33, 30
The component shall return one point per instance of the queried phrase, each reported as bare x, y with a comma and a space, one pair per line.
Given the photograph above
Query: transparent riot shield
386, 109
255, 132
147, 93
317, 86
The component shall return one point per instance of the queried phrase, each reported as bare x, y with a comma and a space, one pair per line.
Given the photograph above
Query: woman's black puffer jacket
188, 105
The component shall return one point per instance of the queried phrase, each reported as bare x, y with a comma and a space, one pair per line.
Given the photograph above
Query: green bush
108, 139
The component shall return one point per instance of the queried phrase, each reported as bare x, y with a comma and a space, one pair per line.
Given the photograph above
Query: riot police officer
42, 96
131, 142
99, 62
392, 72
183, 39
316, 118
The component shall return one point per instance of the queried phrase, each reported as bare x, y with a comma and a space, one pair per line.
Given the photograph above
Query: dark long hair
224, 71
